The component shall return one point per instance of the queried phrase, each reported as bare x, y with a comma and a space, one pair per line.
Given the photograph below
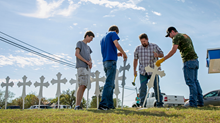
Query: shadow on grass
199, 108
131, 111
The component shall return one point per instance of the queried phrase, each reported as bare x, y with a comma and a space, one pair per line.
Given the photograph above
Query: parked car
62, 107
168, 100
13, 107
210, 98
41, 107
0, 107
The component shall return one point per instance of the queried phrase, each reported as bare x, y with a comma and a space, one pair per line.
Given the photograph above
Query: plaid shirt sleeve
159, 51
136, 53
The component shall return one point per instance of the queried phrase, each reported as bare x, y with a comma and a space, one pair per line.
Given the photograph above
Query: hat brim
167, 35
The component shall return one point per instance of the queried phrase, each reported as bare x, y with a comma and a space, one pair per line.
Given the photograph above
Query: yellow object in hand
158, 62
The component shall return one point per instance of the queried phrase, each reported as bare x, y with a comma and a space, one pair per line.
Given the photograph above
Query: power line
35, 52
35, 47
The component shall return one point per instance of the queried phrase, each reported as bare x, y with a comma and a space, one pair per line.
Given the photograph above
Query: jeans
143, 89
107, 94
190, 70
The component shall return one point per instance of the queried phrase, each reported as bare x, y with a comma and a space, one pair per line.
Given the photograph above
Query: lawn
128, 115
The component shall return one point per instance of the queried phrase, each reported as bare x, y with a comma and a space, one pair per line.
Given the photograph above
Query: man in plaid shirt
147, 53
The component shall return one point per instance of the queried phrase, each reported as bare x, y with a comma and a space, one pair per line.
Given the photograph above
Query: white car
62, 107
41, 107
168, 100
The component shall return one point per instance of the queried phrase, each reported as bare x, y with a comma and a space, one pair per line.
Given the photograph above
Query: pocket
108, 65
192, 64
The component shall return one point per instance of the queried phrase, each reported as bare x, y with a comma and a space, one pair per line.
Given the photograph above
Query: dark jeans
143, 89
107, 94
190, 70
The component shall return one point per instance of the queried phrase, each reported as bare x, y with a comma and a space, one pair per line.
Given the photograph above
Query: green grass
128, 115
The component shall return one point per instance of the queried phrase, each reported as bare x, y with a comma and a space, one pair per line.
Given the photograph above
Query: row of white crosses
53, 81
41, 84
72, 81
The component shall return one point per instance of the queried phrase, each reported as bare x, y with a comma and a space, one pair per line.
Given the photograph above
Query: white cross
150, 84
97, 79
41, 84
123, 79
88, 73
117, 91
72, 81
6, 90
24, 87
58, 81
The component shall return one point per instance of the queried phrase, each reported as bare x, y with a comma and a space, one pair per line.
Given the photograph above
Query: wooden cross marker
150, 84
41, 84
58, 82
97, 79
24, 87
123, 78
6, 89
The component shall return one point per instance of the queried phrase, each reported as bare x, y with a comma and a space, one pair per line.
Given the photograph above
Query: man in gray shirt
83, 61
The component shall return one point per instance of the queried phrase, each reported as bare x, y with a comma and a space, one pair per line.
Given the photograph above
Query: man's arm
172, 51
117, 45
135, 66
81, 58
158, 55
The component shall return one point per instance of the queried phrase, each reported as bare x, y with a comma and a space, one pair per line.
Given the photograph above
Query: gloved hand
158, 62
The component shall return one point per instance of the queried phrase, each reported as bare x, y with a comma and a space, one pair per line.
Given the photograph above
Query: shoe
159, 106
78, 108
200, 105
112, 108
103, 108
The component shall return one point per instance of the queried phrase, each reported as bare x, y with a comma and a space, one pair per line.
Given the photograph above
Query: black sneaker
112, 108
103, 108
78, 108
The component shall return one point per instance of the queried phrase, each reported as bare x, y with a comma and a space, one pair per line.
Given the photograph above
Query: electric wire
35, 52
35, 47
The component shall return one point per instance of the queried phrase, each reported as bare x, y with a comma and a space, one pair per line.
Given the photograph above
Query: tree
68, 97
30, 99
2, 97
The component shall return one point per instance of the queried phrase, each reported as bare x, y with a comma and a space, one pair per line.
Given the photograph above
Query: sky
56, 26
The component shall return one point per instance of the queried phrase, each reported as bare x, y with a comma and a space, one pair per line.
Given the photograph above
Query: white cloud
129, 44
29, 60
99, 62
127, 51
156, 13
94, 24
46, 9
75, 24
67, 12
181, 0
109, 16
19, 51
112, 4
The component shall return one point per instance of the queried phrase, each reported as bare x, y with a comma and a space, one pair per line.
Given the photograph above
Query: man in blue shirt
109, 46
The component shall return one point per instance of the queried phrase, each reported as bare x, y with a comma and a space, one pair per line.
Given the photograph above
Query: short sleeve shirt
185, 46
108, 48
146, 56
85, 52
